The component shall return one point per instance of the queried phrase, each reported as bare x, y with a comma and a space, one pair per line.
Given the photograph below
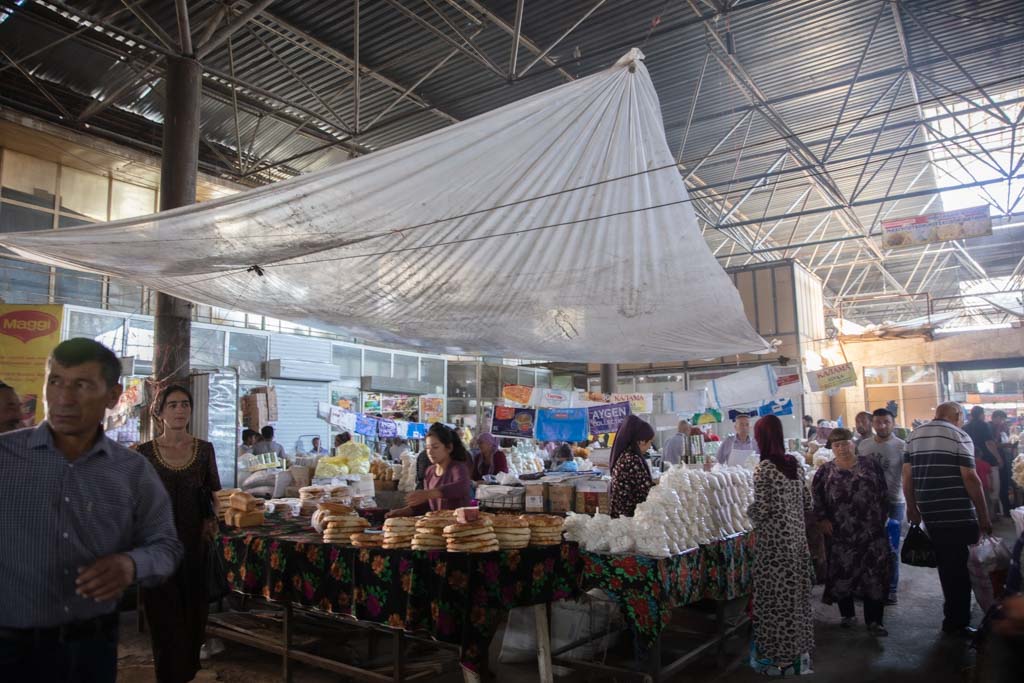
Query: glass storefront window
15, 218
489, 387
140, 339
124, 296
917, 374
106, 329
350, 360
526, 377
407, 367
73, 287
247, 352
462, 380
377, 364
129, 201
432, 371
881, 376
24, 283
207, 348
29, 180
83, 194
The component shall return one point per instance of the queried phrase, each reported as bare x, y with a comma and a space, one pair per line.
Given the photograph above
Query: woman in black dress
176, 611
631, 475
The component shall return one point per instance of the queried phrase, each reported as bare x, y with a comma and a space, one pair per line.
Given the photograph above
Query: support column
179, 165
609, 378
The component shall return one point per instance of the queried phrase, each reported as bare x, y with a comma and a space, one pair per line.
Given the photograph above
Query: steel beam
517, 32
184, 29
523, 40
356, 89
560, 38
152, 26
64, 113
130, 81
221, 36
417, 19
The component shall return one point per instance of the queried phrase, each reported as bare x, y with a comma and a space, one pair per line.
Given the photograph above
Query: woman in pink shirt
446, 485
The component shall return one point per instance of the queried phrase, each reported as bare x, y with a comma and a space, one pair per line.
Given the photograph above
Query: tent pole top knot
630, 59
255, 268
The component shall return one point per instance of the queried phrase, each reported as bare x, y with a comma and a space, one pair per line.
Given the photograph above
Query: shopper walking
783, 624
862, 424
851, 506
631, 476
943, 489
985, 451
1004, 451
177, 610
887, 450
10, 408
82, 518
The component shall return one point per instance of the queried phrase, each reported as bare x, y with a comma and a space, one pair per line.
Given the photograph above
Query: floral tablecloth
457, 598
647, 588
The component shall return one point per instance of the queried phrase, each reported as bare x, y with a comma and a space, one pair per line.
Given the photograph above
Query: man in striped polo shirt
943, 489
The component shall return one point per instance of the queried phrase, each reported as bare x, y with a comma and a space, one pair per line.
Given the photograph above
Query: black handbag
214, 570
917, 549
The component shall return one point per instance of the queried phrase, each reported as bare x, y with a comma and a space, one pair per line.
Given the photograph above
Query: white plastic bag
988, 563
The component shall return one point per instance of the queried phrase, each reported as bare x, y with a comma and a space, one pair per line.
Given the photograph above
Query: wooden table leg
540, 615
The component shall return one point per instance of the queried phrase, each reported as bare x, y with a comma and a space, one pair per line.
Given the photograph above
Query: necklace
176, 468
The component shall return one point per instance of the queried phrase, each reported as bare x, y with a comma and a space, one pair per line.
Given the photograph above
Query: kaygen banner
606, 419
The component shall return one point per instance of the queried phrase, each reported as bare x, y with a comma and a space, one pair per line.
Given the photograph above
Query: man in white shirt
737, 448
675, 447
888, 449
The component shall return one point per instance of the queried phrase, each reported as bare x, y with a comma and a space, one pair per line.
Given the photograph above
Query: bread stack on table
513, 533
399, 532
244, 510
224, 502
338, 529
367, 539
472, 532
430, 533
544, 529
310, 497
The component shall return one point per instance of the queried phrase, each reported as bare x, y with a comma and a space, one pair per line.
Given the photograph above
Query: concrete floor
915, 651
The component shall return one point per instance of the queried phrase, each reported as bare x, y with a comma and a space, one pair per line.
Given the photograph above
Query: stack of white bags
687, 508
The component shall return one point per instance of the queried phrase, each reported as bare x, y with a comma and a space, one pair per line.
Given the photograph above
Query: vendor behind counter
446, 482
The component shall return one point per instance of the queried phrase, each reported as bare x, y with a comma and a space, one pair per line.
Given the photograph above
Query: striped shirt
57, 516
936, 451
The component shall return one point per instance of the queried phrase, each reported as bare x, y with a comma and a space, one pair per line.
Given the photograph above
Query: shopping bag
988, 564
917, 548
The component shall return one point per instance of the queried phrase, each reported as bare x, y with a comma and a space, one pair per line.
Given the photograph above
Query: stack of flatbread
339, 528
512, 533
441, 514
310, 496
398, 532
367, 539
471, 537
319, 522
337, 494
430, 533
544, 529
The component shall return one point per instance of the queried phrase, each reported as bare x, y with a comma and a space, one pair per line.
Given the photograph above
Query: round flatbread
477, 524
400, 522
544, 520
439, 543
438, 533
474, 549
344, 518
512, 532
433, 523
509, 522
440, 513
469, 533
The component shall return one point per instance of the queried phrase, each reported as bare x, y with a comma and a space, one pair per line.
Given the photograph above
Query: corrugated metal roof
818, 91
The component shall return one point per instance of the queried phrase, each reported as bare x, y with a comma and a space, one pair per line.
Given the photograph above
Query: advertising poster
561, 424
937, 227
780, 406
371, 403
638, 403
835, 377
788, 381
551, 398
387, 429
431, 409
606, 419
367, 426
398, 403
517, 393
27, 336
509, 421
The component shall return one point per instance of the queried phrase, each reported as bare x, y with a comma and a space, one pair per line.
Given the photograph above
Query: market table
456, 598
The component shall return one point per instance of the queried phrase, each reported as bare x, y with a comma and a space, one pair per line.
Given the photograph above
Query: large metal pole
178, 169
609, 378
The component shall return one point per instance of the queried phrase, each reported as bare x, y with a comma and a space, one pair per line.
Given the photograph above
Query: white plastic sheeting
555, 228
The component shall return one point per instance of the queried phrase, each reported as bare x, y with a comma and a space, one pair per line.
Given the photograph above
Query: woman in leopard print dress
782, 573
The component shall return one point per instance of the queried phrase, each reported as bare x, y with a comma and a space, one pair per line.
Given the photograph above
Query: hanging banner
835, 377
753, 385
788, 382
517, 393
708, 417
937, 227
562, 424
335, 415
387, 429
27, 336
431, 409
398, 403
323, 410
510, 421
417, 430
348, 421
781, 406
735, 414
606, 419
685, 402
638, 403
551, 398
367, 426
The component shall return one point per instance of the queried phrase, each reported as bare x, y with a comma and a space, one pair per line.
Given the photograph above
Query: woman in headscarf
851, 504
490, 460
783, 622
631, 476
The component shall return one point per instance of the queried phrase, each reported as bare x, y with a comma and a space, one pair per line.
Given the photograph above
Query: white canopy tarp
554, 228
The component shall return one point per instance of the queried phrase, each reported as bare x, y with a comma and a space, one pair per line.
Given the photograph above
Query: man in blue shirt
82, 518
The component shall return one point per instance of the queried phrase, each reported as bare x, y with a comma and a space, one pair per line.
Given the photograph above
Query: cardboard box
270, 396
589, 502
560, 498
536, 498
257, 415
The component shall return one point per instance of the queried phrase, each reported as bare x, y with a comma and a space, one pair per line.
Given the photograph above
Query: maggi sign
28, 324
27, 336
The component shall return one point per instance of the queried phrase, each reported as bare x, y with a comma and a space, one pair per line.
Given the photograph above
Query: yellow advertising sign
517, 393
431, 409
835, 377
27, 336
936, 227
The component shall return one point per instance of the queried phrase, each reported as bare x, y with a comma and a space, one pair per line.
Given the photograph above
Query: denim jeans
894, 529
